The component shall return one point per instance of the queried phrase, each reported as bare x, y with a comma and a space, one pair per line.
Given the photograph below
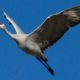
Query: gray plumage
48, 33
54, 27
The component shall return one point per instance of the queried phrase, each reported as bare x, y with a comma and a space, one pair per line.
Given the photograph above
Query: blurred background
64, 56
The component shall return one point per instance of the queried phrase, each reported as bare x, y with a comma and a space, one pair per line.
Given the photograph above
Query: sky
63, 57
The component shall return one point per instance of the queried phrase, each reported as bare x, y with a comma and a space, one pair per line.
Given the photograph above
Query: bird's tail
46, 65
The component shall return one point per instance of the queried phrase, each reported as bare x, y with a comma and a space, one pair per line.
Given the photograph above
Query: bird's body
48, 33
28, 45
32, 48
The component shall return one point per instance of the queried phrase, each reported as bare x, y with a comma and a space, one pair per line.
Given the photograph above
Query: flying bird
47, 34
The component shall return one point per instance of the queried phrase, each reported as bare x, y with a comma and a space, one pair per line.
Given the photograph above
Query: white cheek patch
2, 25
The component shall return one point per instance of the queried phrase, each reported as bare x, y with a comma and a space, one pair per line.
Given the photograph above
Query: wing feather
54, 27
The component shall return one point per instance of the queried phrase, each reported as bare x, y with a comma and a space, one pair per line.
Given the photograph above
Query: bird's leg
49, 68
41, 62
46, 65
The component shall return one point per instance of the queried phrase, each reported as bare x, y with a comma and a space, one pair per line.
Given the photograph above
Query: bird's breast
30, 47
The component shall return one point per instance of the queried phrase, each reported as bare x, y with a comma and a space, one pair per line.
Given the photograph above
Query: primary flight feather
54, 27
48, 33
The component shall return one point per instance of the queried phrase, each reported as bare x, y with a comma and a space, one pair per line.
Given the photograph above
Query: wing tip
4, 13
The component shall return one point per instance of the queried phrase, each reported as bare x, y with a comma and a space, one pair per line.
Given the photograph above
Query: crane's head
2, 26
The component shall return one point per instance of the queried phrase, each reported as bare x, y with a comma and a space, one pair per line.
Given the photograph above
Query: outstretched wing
54, 27
12, 22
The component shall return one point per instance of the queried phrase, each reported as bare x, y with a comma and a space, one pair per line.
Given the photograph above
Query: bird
45, 35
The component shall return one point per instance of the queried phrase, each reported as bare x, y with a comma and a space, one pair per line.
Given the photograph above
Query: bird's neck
9, 33
19, 38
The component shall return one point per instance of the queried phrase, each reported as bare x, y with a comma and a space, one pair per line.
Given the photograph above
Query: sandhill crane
48, 33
